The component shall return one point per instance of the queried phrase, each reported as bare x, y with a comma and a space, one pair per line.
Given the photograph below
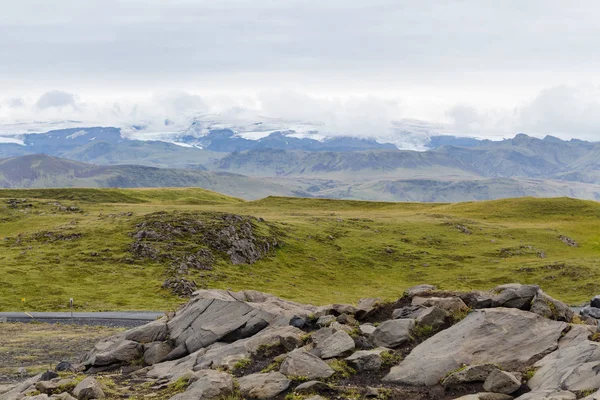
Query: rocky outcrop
256, 345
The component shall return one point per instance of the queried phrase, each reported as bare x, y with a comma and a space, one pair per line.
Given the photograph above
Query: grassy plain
333, 251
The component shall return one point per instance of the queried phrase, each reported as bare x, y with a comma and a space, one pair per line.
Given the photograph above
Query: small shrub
274, 366
422, 331
341, 368
180, 385
390, 358
459, 315
241, 364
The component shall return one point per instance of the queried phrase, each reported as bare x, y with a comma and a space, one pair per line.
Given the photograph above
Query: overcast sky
484, 67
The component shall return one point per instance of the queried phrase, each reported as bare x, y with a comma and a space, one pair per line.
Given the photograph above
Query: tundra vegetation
58, 244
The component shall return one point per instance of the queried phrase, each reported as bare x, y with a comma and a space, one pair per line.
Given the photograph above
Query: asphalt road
126, 319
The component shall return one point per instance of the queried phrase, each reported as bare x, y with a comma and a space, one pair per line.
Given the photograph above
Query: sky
484, 68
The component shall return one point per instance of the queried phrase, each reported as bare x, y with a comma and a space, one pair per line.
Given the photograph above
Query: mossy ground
333, 251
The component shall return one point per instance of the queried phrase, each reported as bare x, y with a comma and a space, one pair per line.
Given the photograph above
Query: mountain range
283, 163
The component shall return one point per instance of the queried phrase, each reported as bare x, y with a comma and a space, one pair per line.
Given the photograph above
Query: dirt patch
26, 349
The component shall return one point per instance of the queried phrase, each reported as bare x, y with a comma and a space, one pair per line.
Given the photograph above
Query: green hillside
81, 243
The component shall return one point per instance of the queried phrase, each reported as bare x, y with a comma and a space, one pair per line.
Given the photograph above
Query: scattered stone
156, 352
347, 319
336, 345
432, 316
366, 360
367, 329
366, 307
393, 333
486, 396
325, 320
300, 363
207, 384
47, 387
88, 389
63, 366
501, 382
595, 302
407, 312
568, 241
263, 386
48, 376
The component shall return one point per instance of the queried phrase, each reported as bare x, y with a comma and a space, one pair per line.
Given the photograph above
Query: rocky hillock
512, 342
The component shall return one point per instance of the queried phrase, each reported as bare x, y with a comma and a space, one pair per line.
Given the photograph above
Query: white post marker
71, 305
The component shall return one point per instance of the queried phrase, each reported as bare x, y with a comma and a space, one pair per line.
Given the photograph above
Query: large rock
88, 389
474, 373
366, 360
155, 331
300, 363
336, 345
549, 307
366, 306
595, 302
114, 351
593, 312
393, 333
450, 304
207, 384
573, 367
514, 295
501, 382
263, 386
431, 316
508, 337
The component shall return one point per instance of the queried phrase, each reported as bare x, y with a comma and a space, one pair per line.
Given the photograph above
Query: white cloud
55, 99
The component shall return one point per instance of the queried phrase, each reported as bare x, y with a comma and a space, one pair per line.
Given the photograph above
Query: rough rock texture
474, 373
300, 363
313, 386
507, 337
263, 386
551, 395
501, 382
450, 304
366, 360
549, 307
336, 345
207, 384
514, 295
88, 389
431, 316
393, 333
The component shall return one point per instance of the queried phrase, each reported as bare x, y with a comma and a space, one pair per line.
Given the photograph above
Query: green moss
341, 368
241, 364
389, 358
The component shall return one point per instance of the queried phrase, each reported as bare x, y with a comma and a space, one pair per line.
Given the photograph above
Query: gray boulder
549, 307
508, 337
207, 384
263, 386
155, 331
593, 312
366, 307
366, 360
300, 363
337, 345
393, 333
450, 304
431, 316
325, 320
595, 302
318, 337
156, 352
501, 382
474, 373
367, 329
407, 312
62, 396
88, 389
514, 295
